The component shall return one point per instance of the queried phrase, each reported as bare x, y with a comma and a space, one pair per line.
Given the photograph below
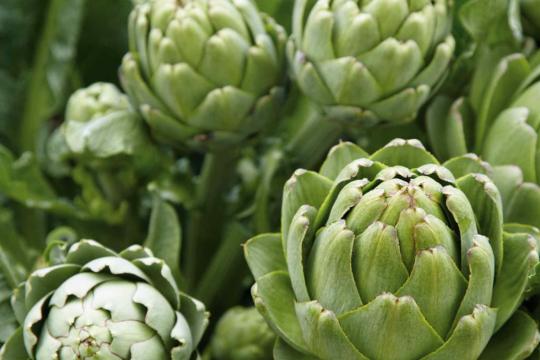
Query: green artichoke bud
500, 120
104, 305
204, 72
393, 256
371, 60
100, 124
511, 139
242, 334
104, 146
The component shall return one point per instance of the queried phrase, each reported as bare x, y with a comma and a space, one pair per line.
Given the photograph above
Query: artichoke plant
499, 119
105, 305
204, 72
368, 61
104, 146
242, 334
394, 256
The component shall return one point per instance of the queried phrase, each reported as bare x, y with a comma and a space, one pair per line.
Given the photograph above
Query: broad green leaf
165, 234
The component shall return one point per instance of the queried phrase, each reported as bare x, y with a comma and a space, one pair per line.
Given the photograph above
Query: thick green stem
206, 219
221, 285
312, 141
112, 188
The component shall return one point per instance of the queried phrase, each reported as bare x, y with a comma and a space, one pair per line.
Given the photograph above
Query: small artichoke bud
242, 334
100, 123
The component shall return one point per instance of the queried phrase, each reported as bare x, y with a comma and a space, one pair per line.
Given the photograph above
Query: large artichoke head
242, 334
370, 60
392, 256
204, 71
105, 305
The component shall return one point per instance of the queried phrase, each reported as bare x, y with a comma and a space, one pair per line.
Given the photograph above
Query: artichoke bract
204, 72
105, 305
370, 61
242, 334
393, 256
500, 120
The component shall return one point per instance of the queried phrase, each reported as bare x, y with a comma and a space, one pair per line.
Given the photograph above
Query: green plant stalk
221, 285
32, 225
273, 161
112, 188
38, 105
311, 142
207, 217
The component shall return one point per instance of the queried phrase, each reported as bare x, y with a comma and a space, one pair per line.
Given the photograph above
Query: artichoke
393, 256
242, 334
499, 119
204, 73
104, 146
104, 305
368, 61
100, 124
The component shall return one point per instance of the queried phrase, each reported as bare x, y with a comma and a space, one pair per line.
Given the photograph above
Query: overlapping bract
500, 120
242, 334
104, 305
368, 61
390, 256
204, 72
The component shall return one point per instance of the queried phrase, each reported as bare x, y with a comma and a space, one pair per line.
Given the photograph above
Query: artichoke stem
220, 287
113, 189
208, 215
309, 145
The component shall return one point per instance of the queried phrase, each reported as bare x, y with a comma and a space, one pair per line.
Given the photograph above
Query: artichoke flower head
204, 73
393, 256
368, 61
242, 334
100, 123
99, 304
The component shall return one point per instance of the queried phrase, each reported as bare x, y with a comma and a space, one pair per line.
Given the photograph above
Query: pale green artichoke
242, 334
370, 61
500, 120
104, 146
104, 305
394, 256
204, 72
100, 123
